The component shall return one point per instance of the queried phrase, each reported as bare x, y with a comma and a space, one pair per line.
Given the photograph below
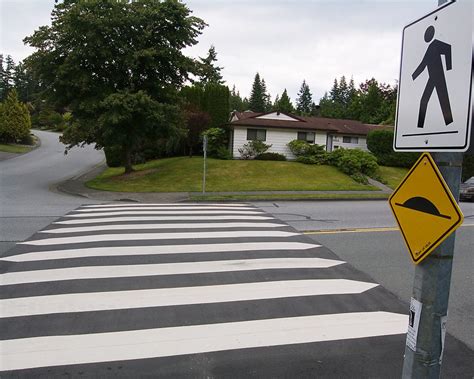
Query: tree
209, 71
257, 101
117, 66
196, 122
304, 100
267, 99
235, 101
15, 120
284, 104
7, 76
216, 104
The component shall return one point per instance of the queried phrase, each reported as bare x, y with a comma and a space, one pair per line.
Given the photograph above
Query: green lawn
392, 175
10, 148
183, 174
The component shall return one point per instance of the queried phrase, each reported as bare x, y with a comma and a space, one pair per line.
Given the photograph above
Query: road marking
157, 236
141, 212
157, 250
361, 230
132, 208
162, 218
124, 271
207, 225
99, 301
33, 352
164, 204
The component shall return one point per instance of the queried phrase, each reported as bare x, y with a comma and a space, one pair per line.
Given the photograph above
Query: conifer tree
7, 76
15, 122
209, 71
284, 104
304, 100
235, 101
257, 101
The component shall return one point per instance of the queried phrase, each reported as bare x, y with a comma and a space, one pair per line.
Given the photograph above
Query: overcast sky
285, 41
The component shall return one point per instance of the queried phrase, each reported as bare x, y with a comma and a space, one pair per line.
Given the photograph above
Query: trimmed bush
308, 153
380, 143
270, 157
252, 149
354, 162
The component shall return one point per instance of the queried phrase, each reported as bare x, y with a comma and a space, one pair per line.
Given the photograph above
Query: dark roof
336, 126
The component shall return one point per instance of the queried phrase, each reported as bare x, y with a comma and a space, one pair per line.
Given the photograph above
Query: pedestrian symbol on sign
436, 78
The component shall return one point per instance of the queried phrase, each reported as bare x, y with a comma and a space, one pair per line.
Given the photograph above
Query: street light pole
432, 285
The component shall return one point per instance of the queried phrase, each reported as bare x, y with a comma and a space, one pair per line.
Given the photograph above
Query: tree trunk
128, 159
190, 151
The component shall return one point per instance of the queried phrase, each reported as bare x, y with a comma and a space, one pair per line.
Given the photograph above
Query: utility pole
432, 285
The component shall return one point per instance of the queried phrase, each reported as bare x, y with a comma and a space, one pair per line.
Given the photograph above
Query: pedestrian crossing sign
434, 105
424, 208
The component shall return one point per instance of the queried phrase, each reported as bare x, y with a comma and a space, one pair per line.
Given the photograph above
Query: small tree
15, 122
252, 149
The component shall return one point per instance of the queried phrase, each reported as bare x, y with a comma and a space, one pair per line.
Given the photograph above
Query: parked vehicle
466, 192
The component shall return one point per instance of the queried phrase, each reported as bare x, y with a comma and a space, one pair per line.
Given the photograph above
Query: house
278, 128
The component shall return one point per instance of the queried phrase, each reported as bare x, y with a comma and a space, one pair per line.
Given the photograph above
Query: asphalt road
194, 290
382, 253
27, 203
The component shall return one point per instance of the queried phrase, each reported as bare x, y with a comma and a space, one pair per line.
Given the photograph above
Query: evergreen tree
235, 101
209, 71
266, 97
8, 75
304, 100
257, 101
216, 104
284, 104
15, 122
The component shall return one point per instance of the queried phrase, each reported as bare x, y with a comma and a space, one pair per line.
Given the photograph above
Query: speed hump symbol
425, 209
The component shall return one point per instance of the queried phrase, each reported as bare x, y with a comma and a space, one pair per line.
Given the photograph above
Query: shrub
223, 153
216, 139
15, 122
355, 163
308, 153
252, 149
270, 157
380, 143
113, 156
299, 148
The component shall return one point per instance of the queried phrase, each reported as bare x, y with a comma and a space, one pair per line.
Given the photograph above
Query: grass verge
263, 197
392, 175
17, 149
183, 174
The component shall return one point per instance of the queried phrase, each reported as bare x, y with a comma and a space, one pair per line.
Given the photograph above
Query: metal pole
431, 287
204, 148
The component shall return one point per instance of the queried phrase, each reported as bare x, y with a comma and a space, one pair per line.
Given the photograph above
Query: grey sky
285, 41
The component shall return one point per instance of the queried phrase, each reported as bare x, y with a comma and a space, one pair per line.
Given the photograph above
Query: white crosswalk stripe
129, 281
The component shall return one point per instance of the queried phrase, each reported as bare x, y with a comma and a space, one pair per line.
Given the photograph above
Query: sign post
204, 149
434, 113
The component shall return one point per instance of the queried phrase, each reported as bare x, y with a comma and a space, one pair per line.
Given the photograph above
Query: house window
347, 139
256, 135
306, 136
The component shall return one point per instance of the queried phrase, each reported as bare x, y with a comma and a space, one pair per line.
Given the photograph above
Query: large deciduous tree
117, 65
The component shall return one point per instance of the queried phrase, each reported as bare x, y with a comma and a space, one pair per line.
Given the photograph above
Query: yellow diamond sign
424, 208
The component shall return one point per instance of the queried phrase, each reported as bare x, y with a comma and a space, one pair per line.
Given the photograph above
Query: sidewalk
76, 186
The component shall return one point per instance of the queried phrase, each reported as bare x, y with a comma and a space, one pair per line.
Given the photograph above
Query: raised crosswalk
115, 284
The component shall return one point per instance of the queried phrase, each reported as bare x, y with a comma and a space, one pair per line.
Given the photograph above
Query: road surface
194, 290
26, 202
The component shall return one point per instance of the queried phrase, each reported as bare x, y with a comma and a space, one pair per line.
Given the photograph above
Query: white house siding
362, 143
278, 138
